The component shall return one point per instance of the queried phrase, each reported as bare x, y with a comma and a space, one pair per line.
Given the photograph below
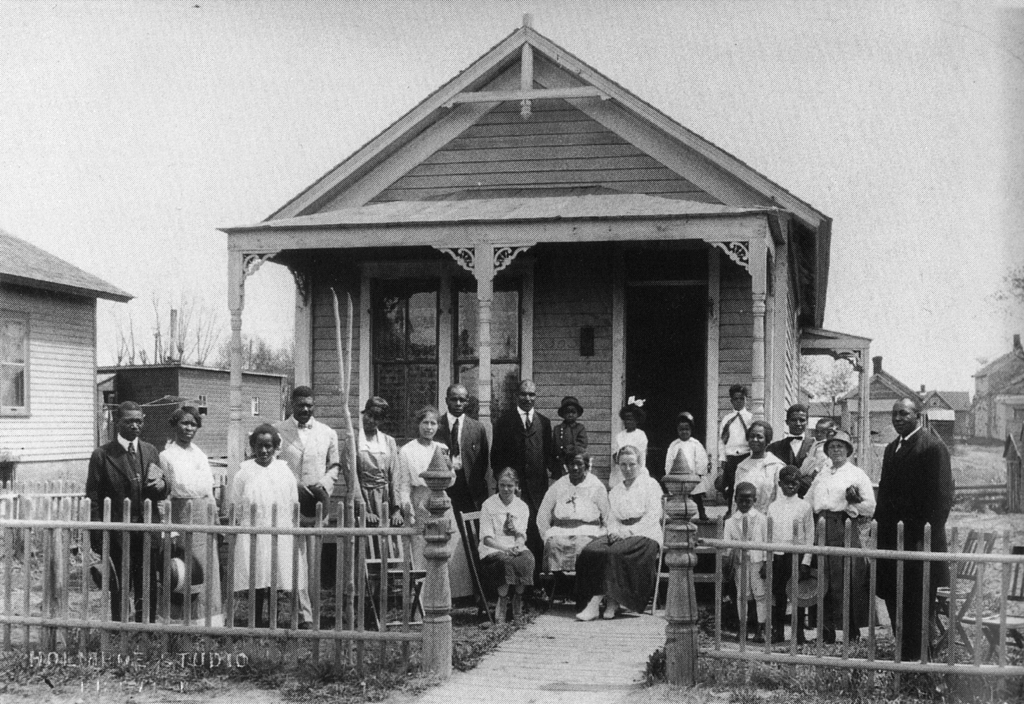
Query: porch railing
49, 603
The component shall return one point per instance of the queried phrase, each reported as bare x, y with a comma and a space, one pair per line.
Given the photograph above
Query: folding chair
469, 527
990, 623
965, 579
395, 570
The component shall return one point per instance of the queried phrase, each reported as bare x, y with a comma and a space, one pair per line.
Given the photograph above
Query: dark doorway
666, 341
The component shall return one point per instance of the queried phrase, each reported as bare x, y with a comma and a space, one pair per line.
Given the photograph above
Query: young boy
570, 435
757, 531
790, 520
732, 433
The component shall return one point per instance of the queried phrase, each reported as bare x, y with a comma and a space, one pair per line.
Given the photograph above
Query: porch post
303, 350
437, 593
236, 301
483, 270
867, 455
758, 289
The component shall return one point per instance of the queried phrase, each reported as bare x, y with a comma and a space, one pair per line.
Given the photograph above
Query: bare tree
826, 378
198, 335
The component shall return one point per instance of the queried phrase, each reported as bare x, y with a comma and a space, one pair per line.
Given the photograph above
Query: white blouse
492, 524
187, 471
640, 501
413, 460
828, 491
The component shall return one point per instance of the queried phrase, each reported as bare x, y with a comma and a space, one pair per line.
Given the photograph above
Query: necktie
303, 426
454, 444
132, 460
725, 428
529, 422
900, 444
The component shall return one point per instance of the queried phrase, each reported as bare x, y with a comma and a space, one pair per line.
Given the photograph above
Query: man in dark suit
523, 441
121, 470
468, 447
916, 487
795, 446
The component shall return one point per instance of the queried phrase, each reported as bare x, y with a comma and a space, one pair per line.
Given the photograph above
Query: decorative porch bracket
241, 265
484, 261
739, 252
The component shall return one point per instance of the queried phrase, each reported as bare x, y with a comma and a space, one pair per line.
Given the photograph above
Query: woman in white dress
762, 467
632, 416
686, 455
416, 457
504, 559
190, 480
265, 483
574, 512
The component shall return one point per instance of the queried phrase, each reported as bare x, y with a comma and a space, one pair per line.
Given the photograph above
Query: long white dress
410, 487
264, 488
570, 516
763, 473
696, 458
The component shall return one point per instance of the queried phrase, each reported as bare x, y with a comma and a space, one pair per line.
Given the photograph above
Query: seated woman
504, 559
623, 564
574, 512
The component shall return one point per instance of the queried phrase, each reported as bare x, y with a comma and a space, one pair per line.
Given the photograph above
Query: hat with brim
309, 496
806, 590
176, 578
570, 402
842, 437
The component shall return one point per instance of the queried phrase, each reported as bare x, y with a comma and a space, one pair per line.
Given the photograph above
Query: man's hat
176, 578
806, 590
570, 402
309, 496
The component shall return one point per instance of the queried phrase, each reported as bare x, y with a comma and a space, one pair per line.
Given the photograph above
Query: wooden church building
533, 219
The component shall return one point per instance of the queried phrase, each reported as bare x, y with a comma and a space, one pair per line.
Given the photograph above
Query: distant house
48, 360
998, 408
949, 412
162, 388
885, 391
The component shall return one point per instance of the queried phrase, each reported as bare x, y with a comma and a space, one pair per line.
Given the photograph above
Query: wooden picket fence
49, 603
978, 633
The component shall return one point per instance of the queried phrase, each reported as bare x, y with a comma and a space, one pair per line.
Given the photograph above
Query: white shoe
610, 609
592, 611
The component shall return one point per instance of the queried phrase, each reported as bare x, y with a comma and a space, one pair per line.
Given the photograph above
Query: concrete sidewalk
558, 659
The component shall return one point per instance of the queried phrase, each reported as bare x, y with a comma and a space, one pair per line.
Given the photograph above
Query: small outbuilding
532, 218
48, 361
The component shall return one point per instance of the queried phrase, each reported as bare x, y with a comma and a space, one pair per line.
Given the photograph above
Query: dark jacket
783, 449
471, 485
535, 468
110, 476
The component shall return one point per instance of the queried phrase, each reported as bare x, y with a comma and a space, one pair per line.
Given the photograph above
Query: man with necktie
120, 470
468, 448
310, 448
732, 432
524, 442
916, 487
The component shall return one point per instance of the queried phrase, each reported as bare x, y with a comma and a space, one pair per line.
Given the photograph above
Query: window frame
26, 410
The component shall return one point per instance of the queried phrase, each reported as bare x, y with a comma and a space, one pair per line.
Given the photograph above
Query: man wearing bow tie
732, 433
916, 487
524, 442
120, 470
310, 448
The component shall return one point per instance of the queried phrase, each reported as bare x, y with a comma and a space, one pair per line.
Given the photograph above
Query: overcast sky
129, 132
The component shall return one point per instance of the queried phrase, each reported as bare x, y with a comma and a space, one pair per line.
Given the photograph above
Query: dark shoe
306, 626
758, 636
801, 639
828, 636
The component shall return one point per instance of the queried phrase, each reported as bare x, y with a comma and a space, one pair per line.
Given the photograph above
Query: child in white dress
632, 416
687, 455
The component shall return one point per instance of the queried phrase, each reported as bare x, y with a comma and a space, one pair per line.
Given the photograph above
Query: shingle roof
27, 265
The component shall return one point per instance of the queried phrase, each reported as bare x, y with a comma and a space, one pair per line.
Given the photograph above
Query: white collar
525, 414
126, 443
904, 438
452, 419
309, 423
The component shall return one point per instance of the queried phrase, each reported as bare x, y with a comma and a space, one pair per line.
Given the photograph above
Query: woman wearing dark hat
188, 475
632, 416
376, 464
570, 435
839, 494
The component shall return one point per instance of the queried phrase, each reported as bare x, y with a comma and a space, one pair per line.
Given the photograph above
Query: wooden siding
572, 288
558, 147
736, 332
213, 436
326, 380
62, 377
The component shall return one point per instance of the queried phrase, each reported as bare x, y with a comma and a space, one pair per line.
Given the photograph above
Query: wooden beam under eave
500, 96
742, 228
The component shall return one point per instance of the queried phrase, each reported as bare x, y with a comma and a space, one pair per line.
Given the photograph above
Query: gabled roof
27, 265
999, 362
955, 400
890, 382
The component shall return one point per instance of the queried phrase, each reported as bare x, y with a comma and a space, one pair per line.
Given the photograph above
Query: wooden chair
965, 578
990, 623
469, 527
395, 570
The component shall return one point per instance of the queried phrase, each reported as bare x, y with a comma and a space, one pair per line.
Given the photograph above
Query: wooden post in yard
681, 598
437, 590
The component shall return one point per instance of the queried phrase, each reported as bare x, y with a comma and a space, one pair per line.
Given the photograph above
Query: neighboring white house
48, 360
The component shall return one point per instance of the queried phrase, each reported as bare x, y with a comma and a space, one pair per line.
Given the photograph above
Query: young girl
632, 416
570, 435
412, 492
266, 483
503, 553
690, 456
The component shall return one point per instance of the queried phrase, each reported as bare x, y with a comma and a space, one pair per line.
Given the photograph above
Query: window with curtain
13, 364
506, 360
405, 316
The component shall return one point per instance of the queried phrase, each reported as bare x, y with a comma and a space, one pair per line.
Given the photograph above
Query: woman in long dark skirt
504, 558
622, 565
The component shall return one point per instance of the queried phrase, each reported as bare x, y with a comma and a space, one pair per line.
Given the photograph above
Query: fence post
437, 592
681, 598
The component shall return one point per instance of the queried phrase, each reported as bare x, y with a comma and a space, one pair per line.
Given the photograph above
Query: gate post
681, 598
437, 591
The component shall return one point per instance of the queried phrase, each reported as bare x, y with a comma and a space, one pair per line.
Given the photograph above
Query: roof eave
112, 294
